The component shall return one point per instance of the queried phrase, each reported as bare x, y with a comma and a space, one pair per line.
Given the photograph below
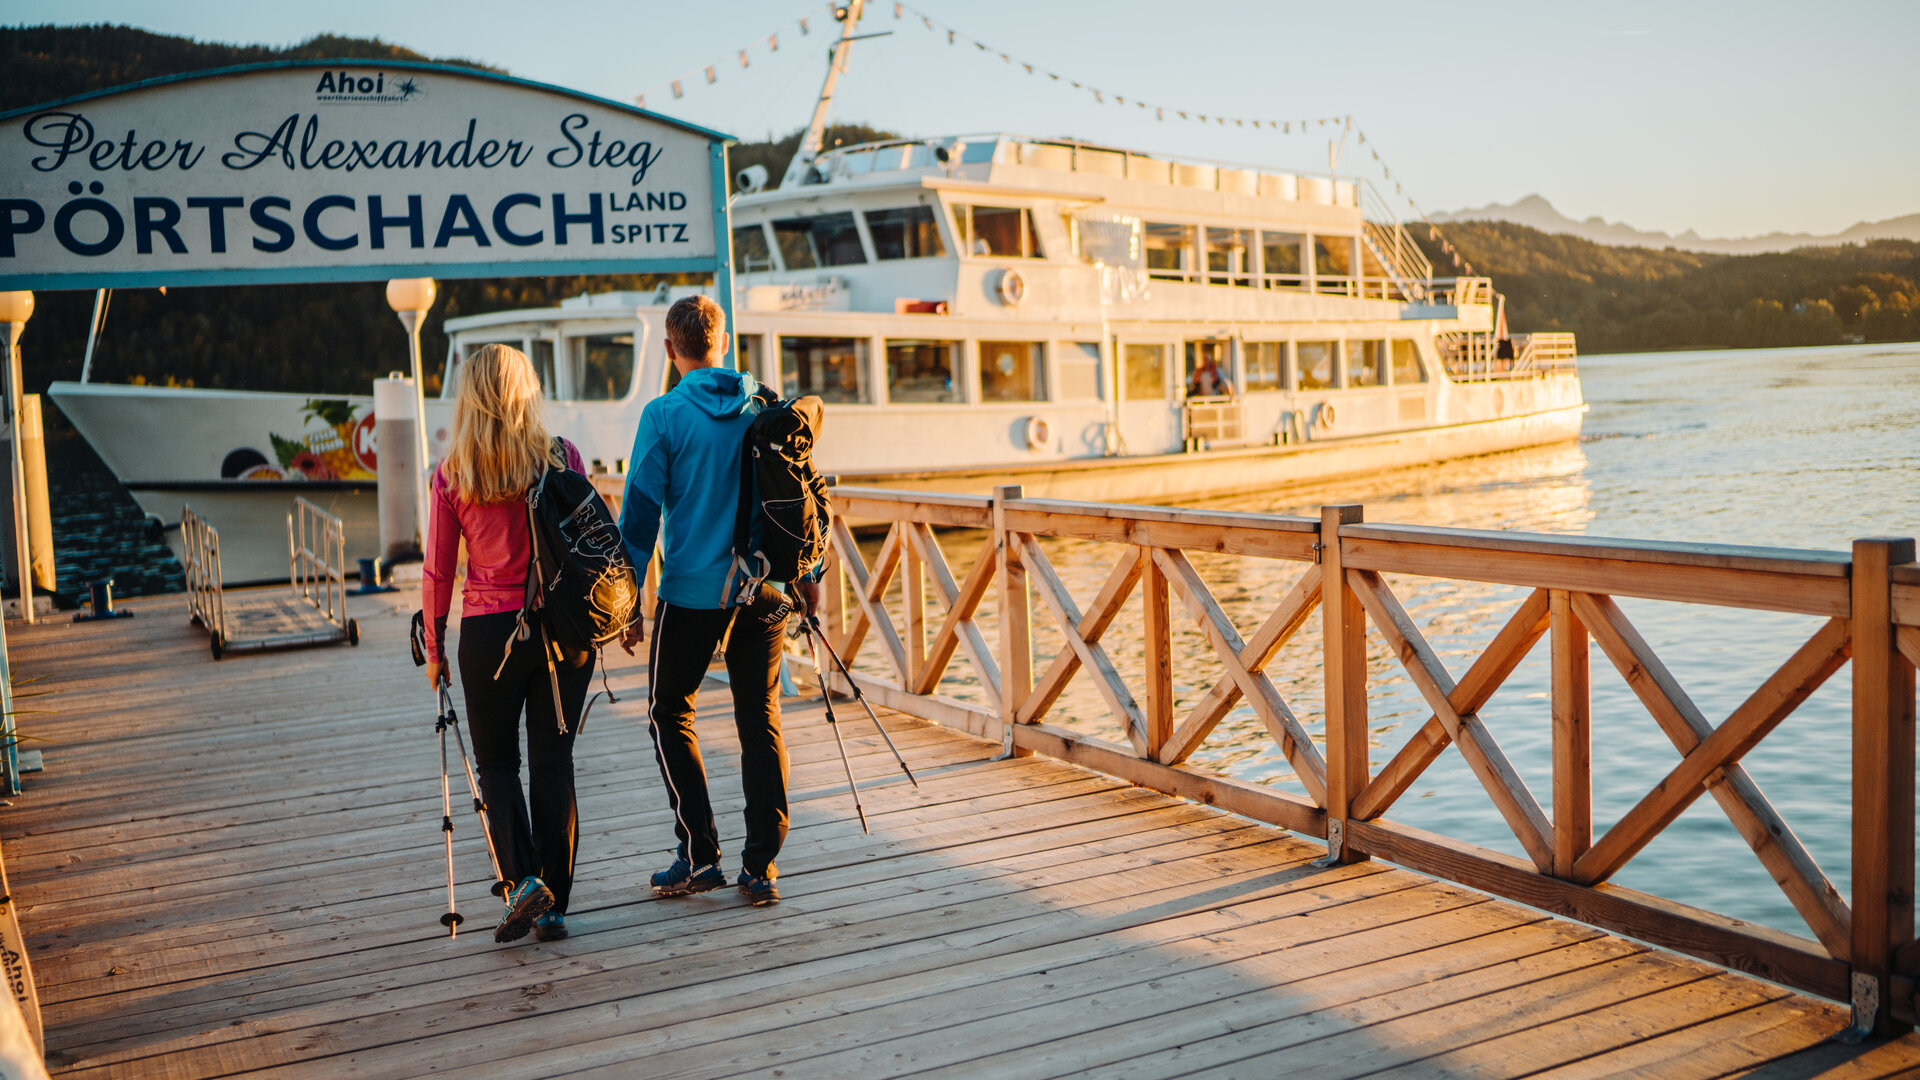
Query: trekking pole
451, 920
449, 719
826, 699
813, 628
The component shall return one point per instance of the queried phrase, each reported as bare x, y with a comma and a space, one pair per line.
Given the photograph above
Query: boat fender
1324, 417
1039, 432
1011, 288
1296, 432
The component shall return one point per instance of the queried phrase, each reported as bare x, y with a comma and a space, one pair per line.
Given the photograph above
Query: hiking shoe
550, 927
526, 902
759, 891
683, 878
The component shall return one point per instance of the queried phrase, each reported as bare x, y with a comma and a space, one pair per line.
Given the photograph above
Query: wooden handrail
1863, 951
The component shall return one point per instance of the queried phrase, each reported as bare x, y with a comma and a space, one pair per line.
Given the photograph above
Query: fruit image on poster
337, 444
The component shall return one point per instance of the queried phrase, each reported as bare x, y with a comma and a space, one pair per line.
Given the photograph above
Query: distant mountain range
1537, 213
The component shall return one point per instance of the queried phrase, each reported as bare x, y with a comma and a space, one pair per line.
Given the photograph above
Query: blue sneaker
550, 927
683, 878
759, 891
526, 902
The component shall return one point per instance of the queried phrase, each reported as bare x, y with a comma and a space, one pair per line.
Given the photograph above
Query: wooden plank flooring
234, 868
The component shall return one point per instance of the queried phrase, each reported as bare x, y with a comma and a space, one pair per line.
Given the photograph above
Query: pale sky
1731, 118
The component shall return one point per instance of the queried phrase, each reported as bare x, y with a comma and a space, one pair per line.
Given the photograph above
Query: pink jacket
497, 554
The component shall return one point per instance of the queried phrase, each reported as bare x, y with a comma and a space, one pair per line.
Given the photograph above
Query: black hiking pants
684, 641
541, 843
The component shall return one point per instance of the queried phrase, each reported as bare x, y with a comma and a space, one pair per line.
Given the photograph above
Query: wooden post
1158, 630
1572, 735
833, 600
913, 591
1883, 788
1344, 629
1016, 630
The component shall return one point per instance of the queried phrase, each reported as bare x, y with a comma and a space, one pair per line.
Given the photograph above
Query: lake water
1806, 448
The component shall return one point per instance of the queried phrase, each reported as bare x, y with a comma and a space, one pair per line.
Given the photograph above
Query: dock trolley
312, 612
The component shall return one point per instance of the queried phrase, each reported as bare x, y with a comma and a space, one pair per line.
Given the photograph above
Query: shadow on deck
235, 867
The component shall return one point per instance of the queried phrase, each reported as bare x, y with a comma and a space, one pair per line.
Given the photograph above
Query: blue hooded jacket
686, 462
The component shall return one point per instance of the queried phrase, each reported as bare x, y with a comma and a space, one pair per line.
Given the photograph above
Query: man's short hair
694, 326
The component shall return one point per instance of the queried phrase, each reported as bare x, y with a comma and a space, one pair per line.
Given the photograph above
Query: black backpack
781, 527
581, 588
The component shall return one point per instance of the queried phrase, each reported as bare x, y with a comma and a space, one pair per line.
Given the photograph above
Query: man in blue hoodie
686, 468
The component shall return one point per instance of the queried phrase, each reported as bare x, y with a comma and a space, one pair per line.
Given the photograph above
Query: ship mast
813, 141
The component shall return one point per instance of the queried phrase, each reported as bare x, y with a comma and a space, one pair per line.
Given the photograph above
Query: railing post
1157, 629
1016, 640
833, 599
1344, 630
1572, 735
1883, 787
912, 589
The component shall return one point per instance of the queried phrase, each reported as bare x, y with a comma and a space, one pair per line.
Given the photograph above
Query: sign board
351, 171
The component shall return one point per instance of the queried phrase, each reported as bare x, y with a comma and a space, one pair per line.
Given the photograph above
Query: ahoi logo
347, 87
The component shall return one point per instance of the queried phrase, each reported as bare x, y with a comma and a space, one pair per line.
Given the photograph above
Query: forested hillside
1622, 299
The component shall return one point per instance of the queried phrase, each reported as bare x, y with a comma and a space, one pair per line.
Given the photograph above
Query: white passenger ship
1092, 322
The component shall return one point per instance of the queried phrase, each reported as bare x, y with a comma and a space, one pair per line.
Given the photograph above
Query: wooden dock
234, 868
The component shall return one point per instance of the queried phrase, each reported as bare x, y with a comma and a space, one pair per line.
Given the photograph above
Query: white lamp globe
410, 294
16, 307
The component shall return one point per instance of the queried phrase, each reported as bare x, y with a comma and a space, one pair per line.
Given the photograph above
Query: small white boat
1089, 321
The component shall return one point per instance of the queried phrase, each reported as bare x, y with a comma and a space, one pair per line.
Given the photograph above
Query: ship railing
1393, 245
1458, 291
1212, 421
1478, 356
904, 600
317, 560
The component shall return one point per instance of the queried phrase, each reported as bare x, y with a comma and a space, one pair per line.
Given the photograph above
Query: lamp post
410, 298
15, 309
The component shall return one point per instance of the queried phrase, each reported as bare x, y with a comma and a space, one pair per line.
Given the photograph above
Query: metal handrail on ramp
314, 613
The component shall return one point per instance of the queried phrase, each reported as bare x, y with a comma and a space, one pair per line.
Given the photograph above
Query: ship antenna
813, 141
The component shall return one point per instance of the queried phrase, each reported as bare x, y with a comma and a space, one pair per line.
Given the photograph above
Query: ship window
906, 233
750, 252
1013, 371
978, 153
1169, 251
1282, 254
1145, 377
1218, 383
1229, 256
1000, 231
1080, 371
1316, 364
1332, 263
1407, 368
832, 369
1264, 364
540, 354
599, 368
1366, 363
922, 371
822, 240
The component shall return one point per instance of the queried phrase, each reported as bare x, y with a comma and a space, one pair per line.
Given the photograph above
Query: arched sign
349, 171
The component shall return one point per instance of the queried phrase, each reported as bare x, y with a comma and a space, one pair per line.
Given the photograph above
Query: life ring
1324, 417
1011, 288
1039, 432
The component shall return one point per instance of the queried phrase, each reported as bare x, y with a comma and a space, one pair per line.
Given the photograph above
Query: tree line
1629, 299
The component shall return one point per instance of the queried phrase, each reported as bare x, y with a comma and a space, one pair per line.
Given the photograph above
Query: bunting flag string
710, 73
1101, 94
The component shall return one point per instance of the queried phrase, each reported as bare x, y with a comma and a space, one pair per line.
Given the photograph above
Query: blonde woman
500, 448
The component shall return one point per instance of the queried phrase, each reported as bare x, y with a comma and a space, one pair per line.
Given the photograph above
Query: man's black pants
543, 846
684, 641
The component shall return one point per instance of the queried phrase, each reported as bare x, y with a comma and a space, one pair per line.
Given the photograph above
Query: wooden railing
1863, 952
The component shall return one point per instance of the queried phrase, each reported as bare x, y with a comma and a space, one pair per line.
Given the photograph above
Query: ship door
1149, 413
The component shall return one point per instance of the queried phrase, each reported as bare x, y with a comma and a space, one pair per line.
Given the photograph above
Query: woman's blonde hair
500, 443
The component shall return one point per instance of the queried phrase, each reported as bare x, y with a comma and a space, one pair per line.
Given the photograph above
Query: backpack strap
744, 556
